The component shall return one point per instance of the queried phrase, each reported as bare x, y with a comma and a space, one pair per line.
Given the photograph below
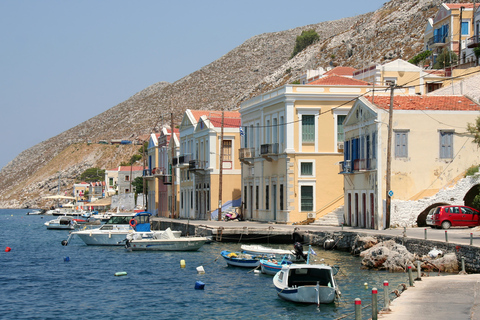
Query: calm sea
37, 282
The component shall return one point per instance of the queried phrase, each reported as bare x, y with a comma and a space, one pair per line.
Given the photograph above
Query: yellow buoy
182, 263
366, 285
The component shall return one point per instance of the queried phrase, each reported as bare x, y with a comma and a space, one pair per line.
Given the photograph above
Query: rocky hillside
258, 65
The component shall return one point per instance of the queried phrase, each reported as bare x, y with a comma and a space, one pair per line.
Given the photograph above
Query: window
257, 196
390, 81
340, 132
227, 150
127, 178
465, 27
245, 197
446, 144
306, 168
266, 198
267, 132
401, 144
281, 197
110, 181
275, 130
306, 198
308, 128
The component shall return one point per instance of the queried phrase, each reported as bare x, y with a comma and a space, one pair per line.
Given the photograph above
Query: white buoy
200, 270
256, 271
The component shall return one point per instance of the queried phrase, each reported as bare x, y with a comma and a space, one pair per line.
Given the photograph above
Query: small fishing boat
238, 259
165, 241
272, 266
35, 212
292, 255
307, 283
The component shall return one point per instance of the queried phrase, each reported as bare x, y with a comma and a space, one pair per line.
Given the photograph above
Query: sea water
41, 279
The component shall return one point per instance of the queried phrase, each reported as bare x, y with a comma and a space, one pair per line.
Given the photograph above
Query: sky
64, 62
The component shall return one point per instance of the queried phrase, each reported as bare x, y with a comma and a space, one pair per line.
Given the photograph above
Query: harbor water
41, 279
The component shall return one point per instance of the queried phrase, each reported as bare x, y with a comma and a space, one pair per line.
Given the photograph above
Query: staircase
334, 218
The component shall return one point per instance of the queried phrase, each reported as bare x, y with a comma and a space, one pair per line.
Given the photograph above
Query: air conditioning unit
340, 145
311, 215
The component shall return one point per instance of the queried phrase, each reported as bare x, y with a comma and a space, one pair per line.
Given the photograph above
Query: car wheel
446, 224
433, 227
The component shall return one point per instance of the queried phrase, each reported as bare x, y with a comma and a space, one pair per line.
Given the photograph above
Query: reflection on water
36, 280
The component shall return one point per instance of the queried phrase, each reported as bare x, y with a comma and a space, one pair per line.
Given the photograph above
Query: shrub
471, 171
421, 57
445, 59
307, 38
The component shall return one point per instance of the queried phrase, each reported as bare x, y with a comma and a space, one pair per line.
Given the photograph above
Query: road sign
390, 193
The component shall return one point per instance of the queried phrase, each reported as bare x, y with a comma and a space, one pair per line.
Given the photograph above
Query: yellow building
293, 139
199, 163
451, 26
149, 174
429, 149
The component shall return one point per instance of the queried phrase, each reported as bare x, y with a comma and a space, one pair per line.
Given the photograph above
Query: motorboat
62, 223
165, 241
238, 259
295, 255
307, 283
114, 232
272, 266
36, 212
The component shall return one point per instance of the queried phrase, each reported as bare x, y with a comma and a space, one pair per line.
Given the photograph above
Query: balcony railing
195, 165
473, 42
247, 153
167, 179
269, 149
184, 159
357, 165
440, 39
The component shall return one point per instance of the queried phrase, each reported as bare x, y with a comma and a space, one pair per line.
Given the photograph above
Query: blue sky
64, 62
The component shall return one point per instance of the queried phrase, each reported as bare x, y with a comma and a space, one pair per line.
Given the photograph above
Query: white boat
306, 283
35, 212
165, 241
61, 223
292, 255
114, 232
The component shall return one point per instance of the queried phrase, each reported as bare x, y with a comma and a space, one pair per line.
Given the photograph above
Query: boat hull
240, 262
179, 244
307, 294
270, 267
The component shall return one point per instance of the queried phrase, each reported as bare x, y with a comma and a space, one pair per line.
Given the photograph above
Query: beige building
199, 163
293, 139
149, 174
401, 73
430, 148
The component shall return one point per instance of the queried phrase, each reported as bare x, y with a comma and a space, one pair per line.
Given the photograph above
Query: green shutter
308, 128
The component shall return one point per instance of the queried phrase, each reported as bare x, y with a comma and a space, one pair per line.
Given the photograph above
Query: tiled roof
426, 103
458, 5
336, 80
341, 71
133, 168
227, 122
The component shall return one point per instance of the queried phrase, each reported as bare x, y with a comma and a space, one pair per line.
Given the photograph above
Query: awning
58, 197
101, 202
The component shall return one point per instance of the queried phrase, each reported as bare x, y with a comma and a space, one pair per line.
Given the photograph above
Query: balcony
184, 159
357, 165
197, 166
174, 161
167, 179
472, 42
345, 167
269, 151
246, 155
439, 40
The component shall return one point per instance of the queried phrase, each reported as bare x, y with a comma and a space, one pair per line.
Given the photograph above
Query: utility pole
172, 141
389, 160
145, 200
460, 35
220, 176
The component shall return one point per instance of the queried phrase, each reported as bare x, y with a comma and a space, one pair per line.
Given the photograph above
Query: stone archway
421, 218
470, 195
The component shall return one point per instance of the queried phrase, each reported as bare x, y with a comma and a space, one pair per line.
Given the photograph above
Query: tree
304, 40
421, 57
474, 129
93, 174
137, 183
445, 59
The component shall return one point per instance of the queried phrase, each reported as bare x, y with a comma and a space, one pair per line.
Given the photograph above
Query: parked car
453, 216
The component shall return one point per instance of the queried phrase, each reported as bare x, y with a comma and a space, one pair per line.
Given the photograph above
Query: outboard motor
298, 249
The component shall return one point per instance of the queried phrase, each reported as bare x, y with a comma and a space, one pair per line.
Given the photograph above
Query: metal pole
410, 276
358, 309
389, 159
385, 296
446, 236
374, 304
172, 142
471, 239
419, 271
460, 35
463, 264
425, 233
220, 176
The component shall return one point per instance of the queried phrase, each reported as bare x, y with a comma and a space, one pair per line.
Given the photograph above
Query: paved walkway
454, 235
440, 298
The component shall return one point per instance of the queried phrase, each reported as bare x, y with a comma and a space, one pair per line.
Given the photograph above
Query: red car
454, 216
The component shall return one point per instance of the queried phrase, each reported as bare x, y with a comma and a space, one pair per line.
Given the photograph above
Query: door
468, 216
364, 208
250, 205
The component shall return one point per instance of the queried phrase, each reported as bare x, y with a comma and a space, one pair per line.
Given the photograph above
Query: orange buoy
8, 249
